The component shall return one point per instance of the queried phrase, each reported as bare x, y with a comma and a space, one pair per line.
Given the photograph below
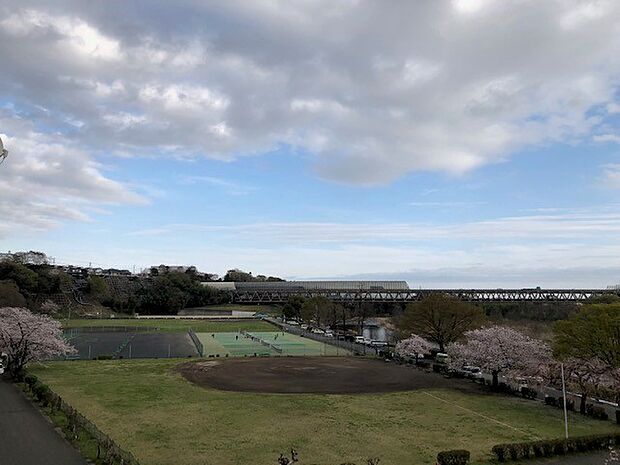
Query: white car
318, 331
1, 368
360, 339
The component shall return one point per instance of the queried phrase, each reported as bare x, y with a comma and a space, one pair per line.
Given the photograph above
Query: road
26, 437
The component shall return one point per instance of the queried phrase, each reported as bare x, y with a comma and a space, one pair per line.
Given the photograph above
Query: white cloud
607, 138
46, 181
73, 33
228, 186
369, 96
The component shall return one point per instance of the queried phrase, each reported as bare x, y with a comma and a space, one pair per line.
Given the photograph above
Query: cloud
368, 96
607, 138
611, 175
47, 180
227, 186
581, 226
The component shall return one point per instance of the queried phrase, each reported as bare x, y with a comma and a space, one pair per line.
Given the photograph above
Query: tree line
586, 344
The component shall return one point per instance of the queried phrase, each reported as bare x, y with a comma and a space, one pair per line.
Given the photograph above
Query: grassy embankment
154, 412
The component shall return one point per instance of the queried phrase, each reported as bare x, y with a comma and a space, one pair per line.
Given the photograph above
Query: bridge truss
413, 295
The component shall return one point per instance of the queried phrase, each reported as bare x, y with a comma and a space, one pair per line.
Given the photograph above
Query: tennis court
273, 343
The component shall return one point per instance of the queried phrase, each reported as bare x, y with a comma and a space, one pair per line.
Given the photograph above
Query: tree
440, 319
413, 346
24, 278
10, 295
292, 307
26, 337
591, 335
98, 288
316, 309
579, 376
362, 311
498, 349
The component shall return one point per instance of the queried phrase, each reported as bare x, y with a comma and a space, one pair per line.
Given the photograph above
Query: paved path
26, 437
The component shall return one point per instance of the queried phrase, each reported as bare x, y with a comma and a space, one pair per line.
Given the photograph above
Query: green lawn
163, 419
174, 325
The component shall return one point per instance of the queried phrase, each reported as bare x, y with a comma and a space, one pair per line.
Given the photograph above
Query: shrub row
529, 393
596, 411
453, 457
552, 447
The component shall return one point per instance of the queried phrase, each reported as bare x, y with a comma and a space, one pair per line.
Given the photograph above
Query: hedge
529, 393
553, 447
31, 380
453, 457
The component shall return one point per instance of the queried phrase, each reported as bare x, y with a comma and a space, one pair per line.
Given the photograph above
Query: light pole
564, 399
3, 152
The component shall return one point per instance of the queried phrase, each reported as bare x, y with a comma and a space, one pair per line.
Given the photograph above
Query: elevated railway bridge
392, 291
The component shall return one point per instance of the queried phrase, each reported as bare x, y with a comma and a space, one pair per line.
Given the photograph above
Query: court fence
199, 347
108, 451
355, 348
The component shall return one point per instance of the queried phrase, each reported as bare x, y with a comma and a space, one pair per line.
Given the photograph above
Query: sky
465, 143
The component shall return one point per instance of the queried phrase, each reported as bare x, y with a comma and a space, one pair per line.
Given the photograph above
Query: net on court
239, 345
231, 344
292, 344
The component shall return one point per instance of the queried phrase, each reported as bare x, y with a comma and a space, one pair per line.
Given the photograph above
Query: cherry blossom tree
499, 349
26, 337
580, 376
413, 346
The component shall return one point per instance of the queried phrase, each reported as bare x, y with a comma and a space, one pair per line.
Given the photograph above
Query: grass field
206, 326
162, 418
236, 345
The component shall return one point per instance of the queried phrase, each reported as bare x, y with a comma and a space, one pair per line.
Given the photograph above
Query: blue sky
450, 150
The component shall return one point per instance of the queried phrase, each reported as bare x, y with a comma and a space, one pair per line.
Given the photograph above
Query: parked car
359, 339
329, 333
376, 343
318, 331
304, 326
472, 372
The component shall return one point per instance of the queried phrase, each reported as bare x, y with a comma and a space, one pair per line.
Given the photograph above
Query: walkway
26, 437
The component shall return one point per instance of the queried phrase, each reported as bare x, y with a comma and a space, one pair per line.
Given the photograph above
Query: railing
107, 449
413, 295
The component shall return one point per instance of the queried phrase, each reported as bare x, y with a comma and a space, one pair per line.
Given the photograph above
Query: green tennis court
240, 345
297, 345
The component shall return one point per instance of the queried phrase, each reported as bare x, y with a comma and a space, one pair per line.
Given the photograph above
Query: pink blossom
26, 337
499, 349
413, 346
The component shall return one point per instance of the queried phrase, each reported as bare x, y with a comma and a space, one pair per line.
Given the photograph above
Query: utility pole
564, 399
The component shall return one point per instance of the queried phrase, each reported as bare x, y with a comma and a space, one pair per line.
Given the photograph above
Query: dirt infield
326, 375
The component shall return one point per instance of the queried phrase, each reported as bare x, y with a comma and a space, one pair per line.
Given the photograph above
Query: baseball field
249, 410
